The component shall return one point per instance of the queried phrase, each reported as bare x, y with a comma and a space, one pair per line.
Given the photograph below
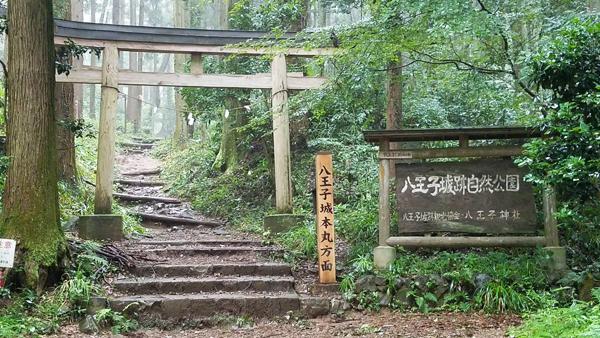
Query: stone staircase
198, 269
202, 279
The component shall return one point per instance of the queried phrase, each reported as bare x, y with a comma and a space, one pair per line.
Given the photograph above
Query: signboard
325, 225
7, 253
394, 155
482, 196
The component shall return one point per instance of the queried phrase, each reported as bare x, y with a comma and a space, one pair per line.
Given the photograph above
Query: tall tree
77, 15
231, 118
31, 213
181, 19
65, 116
92, 87
134, 103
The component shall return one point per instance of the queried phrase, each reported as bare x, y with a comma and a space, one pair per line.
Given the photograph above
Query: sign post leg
559, 259
384, 255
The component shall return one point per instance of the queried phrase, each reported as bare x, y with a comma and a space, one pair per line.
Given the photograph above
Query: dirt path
383, 324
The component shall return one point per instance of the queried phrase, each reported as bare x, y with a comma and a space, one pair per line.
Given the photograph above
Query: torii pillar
104, 225
284, 219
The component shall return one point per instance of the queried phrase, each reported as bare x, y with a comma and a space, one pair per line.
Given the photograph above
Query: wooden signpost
325, 224
7, 256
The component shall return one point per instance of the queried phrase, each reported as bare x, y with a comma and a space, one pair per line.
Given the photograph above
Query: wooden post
106, 132
550, 224
384, 196
281, 136
559, 254
325, 224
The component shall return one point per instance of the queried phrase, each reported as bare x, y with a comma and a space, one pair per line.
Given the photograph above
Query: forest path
196, 267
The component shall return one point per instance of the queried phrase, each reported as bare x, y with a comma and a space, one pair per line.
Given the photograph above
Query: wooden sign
325, 224
7, 253
482, 196
394, 155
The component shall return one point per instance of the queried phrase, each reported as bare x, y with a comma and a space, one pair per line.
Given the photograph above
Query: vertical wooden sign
325, 225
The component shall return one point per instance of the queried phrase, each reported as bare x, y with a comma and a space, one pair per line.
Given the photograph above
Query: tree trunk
140, 68
77, 15
93, 58
65, 111
103, 12
322, 13
65, 114
116, 12
164, 130
31, 213
394, 104
134, 103
181, 19
227, 158
92, 87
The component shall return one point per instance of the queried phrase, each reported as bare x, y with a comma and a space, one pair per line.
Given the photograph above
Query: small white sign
7, 253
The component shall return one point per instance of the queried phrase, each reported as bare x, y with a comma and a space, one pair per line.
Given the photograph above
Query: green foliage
567, 66
117, 322
493, 281
578, 320
33, 315
283, 15
300, 243
64, 55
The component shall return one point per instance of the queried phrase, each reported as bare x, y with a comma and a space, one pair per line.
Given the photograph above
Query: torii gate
115, 38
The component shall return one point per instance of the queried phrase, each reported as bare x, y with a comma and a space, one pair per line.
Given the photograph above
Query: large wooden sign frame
387, 158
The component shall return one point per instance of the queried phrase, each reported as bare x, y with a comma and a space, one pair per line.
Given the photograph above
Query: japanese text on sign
7, 253
325, 224
461, 184
480, 215
479, 196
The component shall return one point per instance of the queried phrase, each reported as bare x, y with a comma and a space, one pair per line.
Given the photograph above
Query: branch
506, 51
460, 64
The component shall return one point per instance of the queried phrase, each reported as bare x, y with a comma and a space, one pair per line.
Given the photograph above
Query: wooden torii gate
115, 38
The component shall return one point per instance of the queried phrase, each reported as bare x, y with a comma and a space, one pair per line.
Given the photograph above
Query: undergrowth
29, 314
581, 319
492, 281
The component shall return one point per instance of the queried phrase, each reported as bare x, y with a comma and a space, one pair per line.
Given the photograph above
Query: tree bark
65, 114
394, 105
164, 129
182, 20
31, 213
134, 104
92, 87
116, 12
103, 12
65, 111
229, 153
77, 15
394, 97
228, 156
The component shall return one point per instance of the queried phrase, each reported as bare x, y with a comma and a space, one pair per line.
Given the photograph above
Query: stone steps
199, 306
202, 242
181, 285
140, 183
217, 269
207, 250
